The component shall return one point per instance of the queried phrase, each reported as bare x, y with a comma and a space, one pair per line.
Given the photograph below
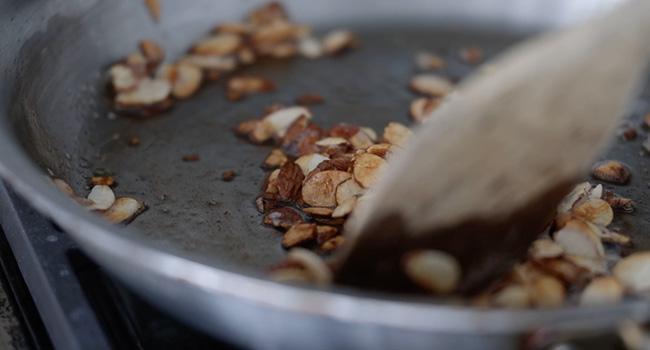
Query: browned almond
228, 175
275, 160
433, 270
618, 203
218, 45
340, 41
124, 209
611, 171
154, 8
249, 84
578, 192
282, 218
191, 157
348, 189
152, 51
368, 168
290, 181
267, 201
547, 292
432, 85
324, 233
320, 189
102, 180
422, 108
299, 234
397, 134
333, 243
343, 130
344, 208
187, 81
597, 211
310, 162
256, 131
382, 149
281, 120
310, 99
272, 183
265, 38
605, 290
471, 54
319, 211
634, 272
545, 248
325, 220
361, 140
268, 13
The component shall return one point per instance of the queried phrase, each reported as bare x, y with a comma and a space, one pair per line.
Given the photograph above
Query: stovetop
65, 301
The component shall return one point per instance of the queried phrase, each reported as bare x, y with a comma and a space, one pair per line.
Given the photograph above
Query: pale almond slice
218, 45
275, 160
280, 120
255, 130
347, 189
299, 234
397, 134
370, 132
578, 192
333, 243
431, 84
435, 271
319, 211
611, 171
634, 272
124, 210
148, 92
331, 141
382, 149
345, 208
102, 198
272, 182
320, 189
368, 168
361, 140
218, 63
547, 292
428, 60
422, 108
339, 41
605, 290
577, 223
594, 266
123, 79
545, 248
187, 81
578, 241
318, 270
310, 47
596, 211
310, 162
513, 297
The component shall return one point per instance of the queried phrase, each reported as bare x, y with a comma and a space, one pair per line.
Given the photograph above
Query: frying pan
199, 252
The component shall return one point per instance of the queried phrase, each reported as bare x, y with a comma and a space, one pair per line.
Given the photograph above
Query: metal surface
202, 261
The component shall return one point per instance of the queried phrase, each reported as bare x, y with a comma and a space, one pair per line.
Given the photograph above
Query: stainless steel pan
200, 252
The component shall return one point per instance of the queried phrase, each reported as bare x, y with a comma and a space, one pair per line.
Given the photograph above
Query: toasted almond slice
299, 234
313, 264
282, 218
618, 203
609, 236
577, 223
319, 211
382, 149
339, 41
597, 211
279, 121
123, 79
397, 134
272, 182
309, 99
68, 191
513, 297
605, 290
634, 272
370, 132
249, 84
347, 189
154, 8
361, 140
148, 92
579, 191
594, 266
275, 160
310, 162
333, 243
611, 171
324, 233
102, 180
436, 271
218, 45
331, 141
547, 292
187, 81
565, 270
102, 197
124, 210
344, 208
137, 62
152, 51
578, 241
218, 63
368, 168
274, 33
255, 130
320, 189
545, 248
310, 47
431, 84
290, 275
422, 108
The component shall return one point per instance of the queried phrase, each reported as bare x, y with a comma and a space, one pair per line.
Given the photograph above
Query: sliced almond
579, 191
272, 182
618, 203
299, 234
266, 37
609, 236
545, 248
605, 290
428, 60
361, 140
275, 160
397, 134
565, 270
578, 241
256, 131
123, 79
152, 51
218, 45
249, 84
433, 270
310, 47
319, 211
324, 233
102, 180
333, 243
282, 218
68, 191
320, 189
422, 108
187, 81
124, 210
634, 272
239, 28
319, 271
267, 201
211, 63
370, 132
547, 292
382, 149
102, 198
290, 181
331, 141
339, 41
148, 92
279, 121
431, 84
309, 99
310, 162
594, 266
611, 171
344, 208
268, 13
347, 189
597, 211
368, 168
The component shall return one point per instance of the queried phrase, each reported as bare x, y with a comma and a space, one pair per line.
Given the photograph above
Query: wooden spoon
482, 178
